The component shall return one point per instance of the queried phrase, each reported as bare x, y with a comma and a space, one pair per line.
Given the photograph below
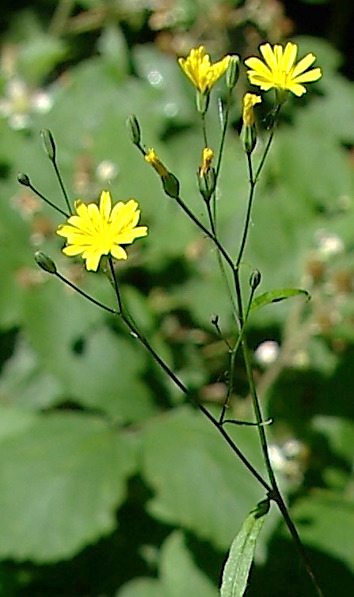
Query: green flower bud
45, 262
206, 183
233, 71
170, 185
255, 279
248, 137
23, 179
134, 129
48, 142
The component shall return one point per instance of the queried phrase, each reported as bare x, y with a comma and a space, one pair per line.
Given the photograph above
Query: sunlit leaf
239, 561
62, 478
275, 296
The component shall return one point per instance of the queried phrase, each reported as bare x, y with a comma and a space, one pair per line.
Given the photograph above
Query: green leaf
62, 478
238, 564
325, 522
178, 575
274, 296
187, 463
94, 366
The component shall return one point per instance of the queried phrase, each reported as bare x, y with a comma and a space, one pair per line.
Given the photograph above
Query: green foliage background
109, 483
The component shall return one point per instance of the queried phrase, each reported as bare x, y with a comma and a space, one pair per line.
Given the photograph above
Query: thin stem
298, 543
34, 190
137, 334
249, 210
60, 180
275, 493
60, 17
223, 133
212, 237
205, 137
266, 151
85, 295
233, 353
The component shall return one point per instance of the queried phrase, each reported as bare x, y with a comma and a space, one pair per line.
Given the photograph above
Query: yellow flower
100, 230
151, 158
198, 68
249, 100
207, 156
280, 70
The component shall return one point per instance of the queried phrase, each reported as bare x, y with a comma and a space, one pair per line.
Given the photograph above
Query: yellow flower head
101, 230
198, 68
279, 69
207, 156
151, 158
249, 100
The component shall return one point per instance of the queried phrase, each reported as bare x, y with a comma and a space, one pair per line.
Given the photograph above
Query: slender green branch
137, 334
233, 353
61, 184
205, 137
207, 232
249, 211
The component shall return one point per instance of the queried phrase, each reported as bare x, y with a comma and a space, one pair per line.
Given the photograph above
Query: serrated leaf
239, 561
277, 295
62, 478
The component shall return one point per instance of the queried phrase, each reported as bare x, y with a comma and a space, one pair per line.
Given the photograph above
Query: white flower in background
107, 171
20, 102
328, 243
267, 352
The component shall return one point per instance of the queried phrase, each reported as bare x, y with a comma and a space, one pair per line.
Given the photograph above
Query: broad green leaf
25, 383
277, 295
94, 366
178, 575
325, 521
62, 479
239, 561
14, 421
197, 480
40, 55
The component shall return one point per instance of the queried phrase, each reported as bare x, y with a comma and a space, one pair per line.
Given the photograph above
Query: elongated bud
170, 185
134, 129
206, 183
233, 71
45, 262
169, 182
248, 137
48, 143
248, 102
206, 175
23, 179
255, 279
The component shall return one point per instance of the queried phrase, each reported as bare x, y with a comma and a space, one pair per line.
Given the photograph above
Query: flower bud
134, 129
170, 185
255, 279
48, 142
248, 103
45, 262
23, 179
233, 71
248, 138
206, 175
206, 183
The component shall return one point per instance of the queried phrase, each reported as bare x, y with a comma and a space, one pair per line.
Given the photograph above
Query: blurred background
110, 483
